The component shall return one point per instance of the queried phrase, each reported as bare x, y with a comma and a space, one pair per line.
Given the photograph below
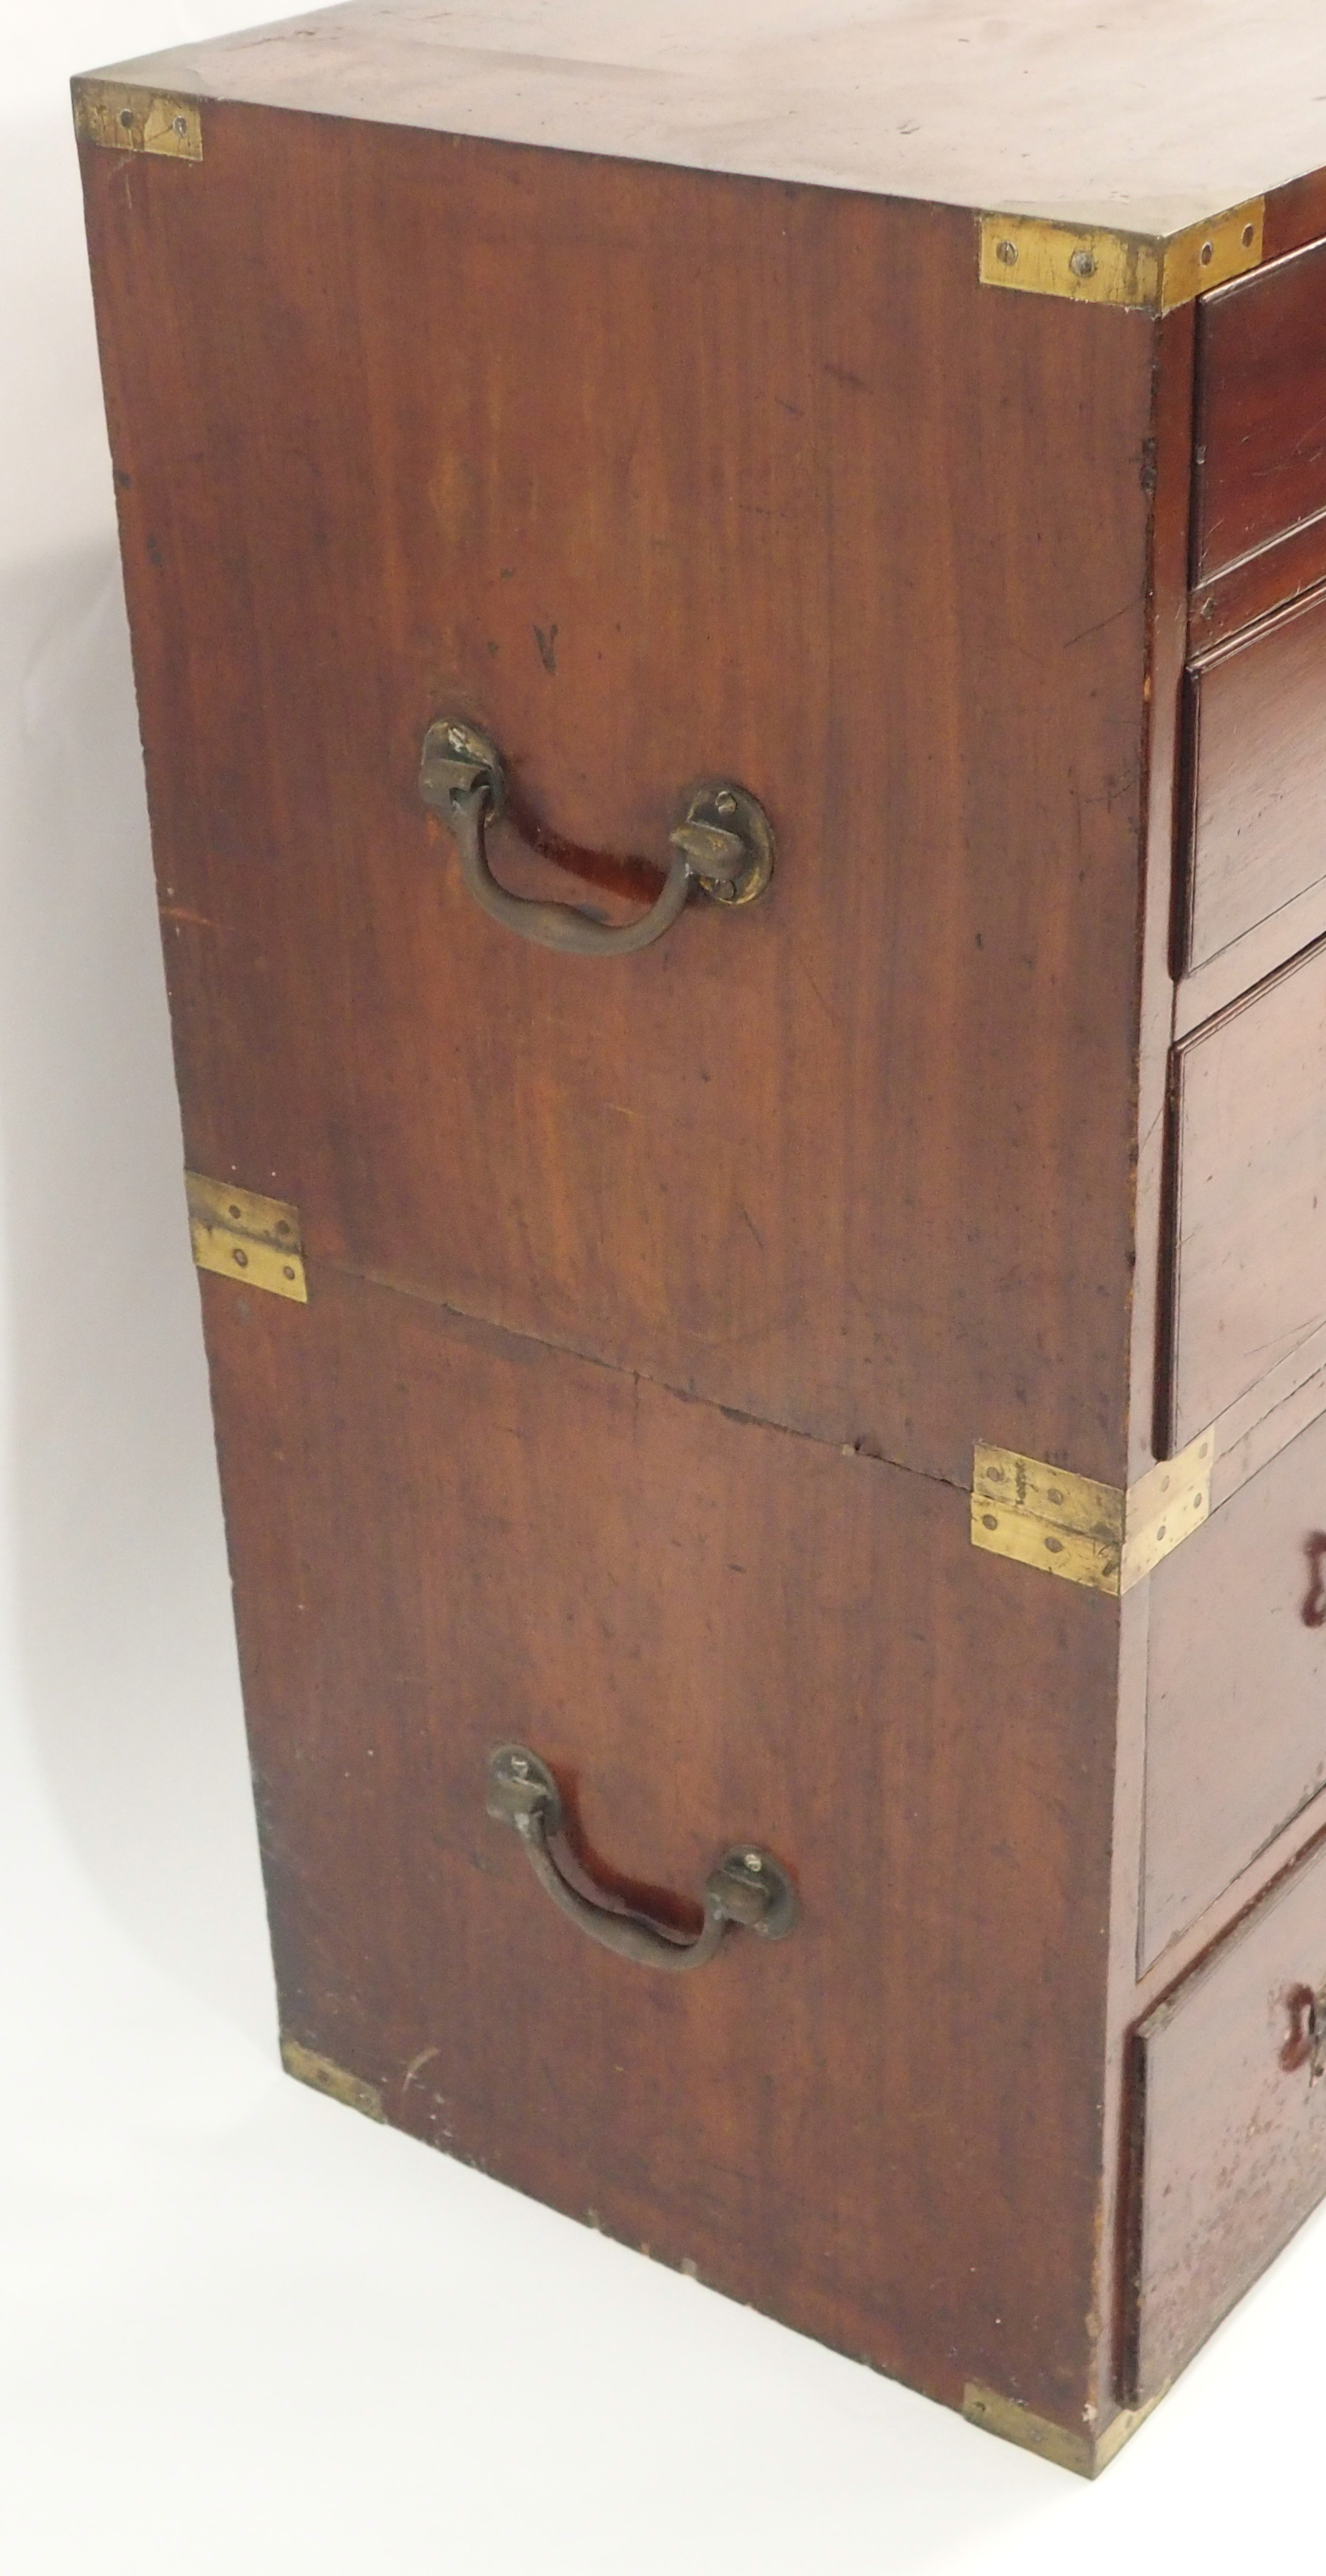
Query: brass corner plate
1043, 1516
122, 119
1208, 255
1164, 1507
1091, 264
1086, 2454
241, 1235
1085, 1532
326, 2076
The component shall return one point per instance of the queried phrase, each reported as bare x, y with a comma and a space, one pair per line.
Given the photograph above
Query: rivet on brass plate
121, 119
1083, 1531
326, 2076
1208, 255
1091, 264
241, 1235
1164, 1507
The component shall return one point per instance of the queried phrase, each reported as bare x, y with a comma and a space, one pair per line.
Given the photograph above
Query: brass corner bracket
325, 2076
241, 1235
1086, 2452
1085, 1532
122, 119
1090, 264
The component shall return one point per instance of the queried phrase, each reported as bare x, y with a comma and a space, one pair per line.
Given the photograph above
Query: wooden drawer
1236, 1688
1229, 2145
1261, 410
1256, 780
1248, 1213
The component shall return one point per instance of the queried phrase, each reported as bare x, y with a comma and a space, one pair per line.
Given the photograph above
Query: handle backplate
723, 843
747, 1887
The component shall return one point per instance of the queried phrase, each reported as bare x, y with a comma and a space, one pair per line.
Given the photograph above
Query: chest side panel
884, 2129
655, 476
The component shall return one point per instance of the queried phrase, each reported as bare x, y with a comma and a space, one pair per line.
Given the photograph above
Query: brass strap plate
243, 1236
326, 2076
1090, 264
1164, 1507
1086, 2454
138, 120
1083, 1531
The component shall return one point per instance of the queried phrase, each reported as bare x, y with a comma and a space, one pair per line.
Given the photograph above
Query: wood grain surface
1231, 2127
656, 476
637, 1284
1147, 118
1256, 819
1236, 1696
443, 1537
1249, 1254
1258, 584
1261, 409
1169, 450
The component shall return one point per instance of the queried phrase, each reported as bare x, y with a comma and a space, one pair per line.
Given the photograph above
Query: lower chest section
718, 1637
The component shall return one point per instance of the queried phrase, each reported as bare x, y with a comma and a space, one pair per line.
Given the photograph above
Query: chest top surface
1146, 115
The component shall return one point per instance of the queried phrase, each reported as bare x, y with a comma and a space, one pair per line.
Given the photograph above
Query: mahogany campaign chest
730, 627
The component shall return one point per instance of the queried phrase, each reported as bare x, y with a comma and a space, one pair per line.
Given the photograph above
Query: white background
241, 2329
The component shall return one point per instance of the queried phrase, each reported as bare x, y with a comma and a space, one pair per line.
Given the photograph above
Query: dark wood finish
1169, 455
1259, 584
1236, 1698
1261, 410
1295, 215
1249, 1222
1256, 755
1208, 990
1167, 601
443, 1536
1231, 2128
794, 1161
658, 472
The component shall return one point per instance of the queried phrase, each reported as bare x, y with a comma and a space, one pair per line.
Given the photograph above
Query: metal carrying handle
748, 1887
724, 844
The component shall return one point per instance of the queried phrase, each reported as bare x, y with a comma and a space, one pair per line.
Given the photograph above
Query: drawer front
444, 1537
1256, 769
1248, 1216
1261, 410
652, 495
1229, 2125
1236, 1687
